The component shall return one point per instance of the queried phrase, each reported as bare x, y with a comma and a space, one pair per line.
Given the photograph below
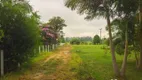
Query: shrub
75, 41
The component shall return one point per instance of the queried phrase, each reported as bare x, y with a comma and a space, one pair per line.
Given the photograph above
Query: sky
76, 25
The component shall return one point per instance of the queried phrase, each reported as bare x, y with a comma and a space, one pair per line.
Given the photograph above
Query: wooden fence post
2, 62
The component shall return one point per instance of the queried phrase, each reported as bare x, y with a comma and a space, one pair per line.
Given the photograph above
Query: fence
47, 48
42, 48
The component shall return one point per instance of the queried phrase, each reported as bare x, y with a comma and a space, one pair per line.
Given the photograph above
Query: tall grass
97, 64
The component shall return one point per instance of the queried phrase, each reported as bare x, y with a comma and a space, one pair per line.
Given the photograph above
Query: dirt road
54, 67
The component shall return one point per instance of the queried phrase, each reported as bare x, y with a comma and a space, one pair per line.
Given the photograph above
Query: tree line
84, 40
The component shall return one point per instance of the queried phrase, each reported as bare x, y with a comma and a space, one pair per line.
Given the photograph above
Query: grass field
76, 62
96, 65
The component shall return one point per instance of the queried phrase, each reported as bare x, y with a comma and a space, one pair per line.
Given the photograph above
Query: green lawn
96, 65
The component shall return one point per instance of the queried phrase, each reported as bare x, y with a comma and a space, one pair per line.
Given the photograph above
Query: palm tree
97, 8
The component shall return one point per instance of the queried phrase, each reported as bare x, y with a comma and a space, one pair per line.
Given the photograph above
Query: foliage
62, 39
75, 41
83, 39
92, 8
26, 67
119, 48
55, 26
96, 39
105, 41
97, 8
21, 32
48, 36
1, 34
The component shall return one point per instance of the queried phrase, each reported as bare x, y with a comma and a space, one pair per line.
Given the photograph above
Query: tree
62, 39
75, 41
96, 39
97, 8
140, 32
21, 33
57, 24
126, 9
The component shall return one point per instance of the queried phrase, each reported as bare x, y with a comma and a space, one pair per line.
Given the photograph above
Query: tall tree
140, 32
57, 24
97, 8
126, 9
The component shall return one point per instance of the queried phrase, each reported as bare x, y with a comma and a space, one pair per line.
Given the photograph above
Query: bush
21, 33
96, 39
75, 41
119, 48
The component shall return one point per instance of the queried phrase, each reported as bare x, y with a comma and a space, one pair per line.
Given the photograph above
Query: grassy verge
26, 66
97, 65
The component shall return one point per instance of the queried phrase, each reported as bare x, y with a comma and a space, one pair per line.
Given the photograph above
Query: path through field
54, 67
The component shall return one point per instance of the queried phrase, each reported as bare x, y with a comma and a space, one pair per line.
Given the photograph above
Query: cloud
77, 26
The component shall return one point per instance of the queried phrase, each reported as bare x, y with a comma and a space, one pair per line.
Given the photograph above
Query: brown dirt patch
62, 71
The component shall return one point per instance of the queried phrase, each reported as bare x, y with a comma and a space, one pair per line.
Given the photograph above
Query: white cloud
77, 26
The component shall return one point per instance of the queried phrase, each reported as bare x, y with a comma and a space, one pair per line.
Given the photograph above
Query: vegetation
125, 23
27, 66
75, 41
85, 62
96, 39
97, 8
83, 39
21, 32
95, 64
52, 30
57, 24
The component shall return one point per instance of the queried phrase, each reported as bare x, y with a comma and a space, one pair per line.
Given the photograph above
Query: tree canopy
96, 39
21, 32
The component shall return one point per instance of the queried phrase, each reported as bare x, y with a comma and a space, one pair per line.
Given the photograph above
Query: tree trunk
140, 60
137, 60
115, 66
123, 67
140, 22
